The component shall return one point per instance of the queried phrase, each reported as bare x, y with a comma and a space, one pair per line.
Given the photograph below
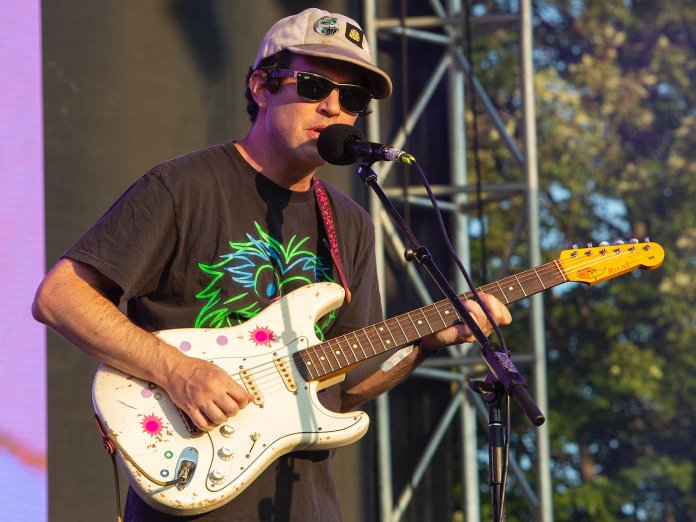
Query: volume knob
227, 430
216, 476
225, 453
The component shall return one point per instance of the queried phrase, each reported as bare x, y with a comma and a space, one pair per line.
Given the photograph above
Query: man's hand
460, 333
205, 392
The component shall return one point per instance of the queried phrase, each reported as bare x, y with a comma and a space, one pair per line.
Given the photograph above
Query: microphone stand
503, 377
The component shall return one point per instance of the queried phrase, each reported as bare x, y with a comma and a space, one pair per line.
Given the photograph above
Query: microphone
341, 144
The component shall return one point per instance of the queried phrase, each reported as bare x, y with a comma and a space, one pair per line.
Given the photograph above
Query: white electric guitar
276, 356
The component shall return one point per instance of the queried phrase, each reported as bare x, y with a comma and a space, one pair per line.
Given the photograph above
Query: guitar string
263, 372
266, 374
529, 275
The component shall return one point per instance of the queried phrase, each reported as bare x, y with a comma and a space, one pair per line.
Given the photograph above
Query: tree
616, 120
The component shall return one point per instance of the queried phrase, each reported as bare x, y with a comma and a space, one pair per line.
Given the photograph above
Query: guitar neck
336, 355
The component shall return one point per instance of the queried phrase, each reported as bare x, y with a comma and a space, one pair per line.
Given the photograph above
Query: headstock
593, 265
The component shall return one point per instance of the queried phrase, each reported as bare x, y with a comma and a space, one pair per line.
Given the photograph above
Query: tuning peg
646, 239
589, 245
618, 242
633, 241
604, 243
575, 246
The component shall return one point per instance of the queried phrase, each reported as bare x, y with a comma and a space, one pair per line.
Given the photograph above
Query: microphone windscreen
332, 142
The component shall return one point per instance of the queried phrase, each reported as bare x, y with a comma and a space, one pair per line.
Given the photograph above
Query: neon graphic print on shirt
265, 269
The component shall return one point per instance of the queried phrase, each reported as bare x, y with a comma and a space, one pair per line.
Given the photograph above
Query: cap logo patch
354, 34
327, 25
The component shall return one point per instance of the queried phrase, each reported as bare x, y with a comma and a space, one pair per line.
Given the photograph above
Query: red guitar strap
327, 218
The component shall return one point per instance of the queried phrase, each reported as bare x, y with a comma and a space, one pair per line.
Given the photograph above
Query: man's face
292, 125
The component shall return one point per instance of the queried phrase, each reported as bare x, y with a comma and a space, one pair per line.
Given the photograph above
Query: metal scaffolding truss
464, 407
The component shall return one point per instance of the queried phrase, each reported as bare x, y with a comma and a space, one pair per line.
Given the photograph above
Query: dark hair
279, 60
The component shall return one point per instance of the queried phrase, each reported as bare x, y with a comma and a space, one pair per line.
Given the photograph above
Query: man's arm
363, 386
73, 299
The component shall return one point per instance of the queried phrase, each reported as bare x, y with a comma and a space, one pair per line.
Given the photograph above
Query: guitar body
286, 415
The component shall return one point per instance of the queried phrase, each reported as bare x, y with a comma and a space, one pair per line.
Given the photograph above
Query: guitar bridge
188, 423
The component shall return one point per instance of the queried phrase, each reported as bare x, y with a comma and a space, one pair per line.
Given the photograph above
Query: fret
321, 357
312, 369
377, 337
316, 359
451, 316
316, 367
397, 320
442, 319
524, 284
358, 344
415, 328
342, 351
562, 272
359, 353
367, 336
388, 343
539, 277
520, 285
513, 290
424, 320
329, 355
502, 293
424, 323
553, 275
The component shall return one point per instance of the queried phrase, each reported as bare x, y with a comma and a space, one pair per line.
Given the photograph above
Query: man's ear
258, 88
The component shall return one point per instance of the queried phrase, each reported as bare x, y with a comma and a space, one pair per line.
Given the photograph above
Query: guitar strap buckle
109, 445
110, 448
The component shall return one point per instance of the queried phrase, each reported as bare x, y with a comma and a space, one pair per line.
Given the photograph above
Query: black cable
403, 13
475, 146
455, 257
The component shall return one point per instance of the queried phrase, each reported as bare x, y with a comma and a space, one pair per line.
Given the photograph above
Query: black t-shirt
204, 240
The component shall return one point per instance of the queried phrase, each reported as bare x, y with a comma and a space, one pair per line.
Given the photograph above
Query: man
211, 238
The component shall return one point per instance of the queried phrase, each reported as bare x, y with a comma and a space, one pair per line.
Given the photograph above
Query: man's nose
331, 104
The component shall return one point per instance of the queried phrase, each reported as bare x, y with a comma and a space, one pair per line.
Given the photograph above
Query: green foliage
616, 113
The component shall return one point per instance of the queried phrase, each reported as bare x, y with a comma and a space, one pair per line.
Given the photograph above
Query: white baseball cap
315, 32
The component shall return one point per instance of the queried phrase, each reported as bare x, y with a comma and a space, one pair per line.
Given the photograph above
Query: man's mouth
318, 129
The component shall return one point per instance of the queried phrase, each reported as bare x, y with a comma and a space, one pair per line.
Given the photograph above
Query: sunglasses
315, 87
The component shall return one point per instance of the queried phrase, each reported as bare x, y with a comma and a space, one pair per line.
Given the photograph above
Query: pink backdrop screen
23, 475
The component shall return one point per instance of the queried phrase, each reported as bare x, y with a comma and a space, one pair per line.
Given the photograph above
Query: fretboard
337, 354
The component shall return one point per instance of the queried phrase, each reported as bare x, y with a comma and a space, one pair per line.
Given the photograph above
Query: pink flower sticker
152, 424
262, 335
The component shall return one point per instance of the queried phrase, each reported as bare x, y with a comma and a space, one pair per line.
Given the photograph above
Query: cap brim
380, 83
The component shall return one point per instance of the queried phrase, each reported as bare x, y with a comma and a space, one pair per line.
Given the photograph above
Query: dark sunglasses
315, 87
